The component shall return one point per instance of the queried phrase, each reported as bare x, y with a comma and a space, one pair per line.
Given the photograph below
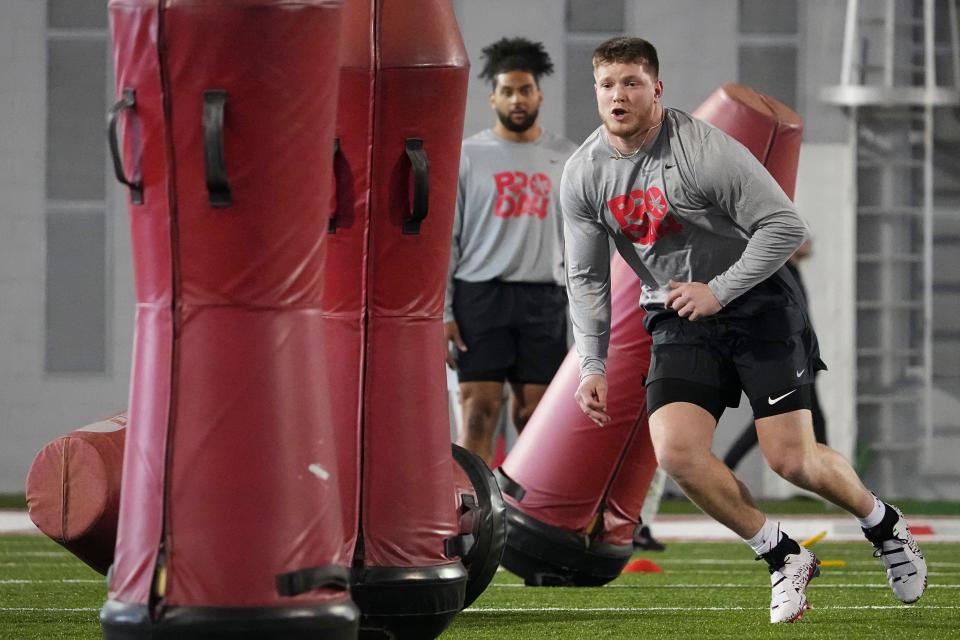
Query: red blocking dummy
559, 479
73, 490
408, 580
230, 518
771, 130
551, 511
344, 269
476, 498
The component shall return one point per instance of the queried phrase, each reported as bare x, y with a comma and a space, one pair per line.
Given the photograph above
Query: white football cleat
789, 580
894, 545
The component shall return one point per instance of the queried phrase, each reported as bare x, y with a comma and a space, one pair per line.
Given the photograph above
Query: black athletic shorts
514, 331
761, 343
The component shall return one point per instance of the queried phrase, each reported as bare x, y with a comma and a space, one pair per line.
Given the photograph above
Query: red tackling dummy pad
405, 77
771, 130
431, 583
230, 514
73, 490
344, 275
566, 480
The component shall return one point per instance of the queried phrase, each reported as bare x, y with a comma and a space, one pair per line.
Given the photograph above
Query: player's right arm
587, 251
591, 395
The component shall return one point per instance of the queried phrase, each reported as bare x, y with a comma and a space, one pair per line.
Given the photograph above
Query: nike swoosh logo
774, 401
800, 373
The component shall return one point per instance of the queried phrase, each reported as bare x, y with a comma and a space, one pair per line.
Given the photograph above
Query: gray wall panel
36, 407
696, 42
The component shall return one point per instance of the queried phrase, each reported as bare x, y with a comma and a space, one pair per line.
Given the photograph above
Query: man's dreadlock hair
515, 54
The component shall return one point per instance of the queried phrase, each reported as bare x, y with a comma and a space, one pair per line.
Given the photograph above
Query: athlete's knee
675, 458
796, 467
480, 415
480, 422
521, 415
520, 418
484, 407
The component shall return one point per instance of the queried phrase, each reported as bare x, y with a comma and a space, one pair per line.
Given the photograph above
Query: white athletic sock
873, 518
766, 539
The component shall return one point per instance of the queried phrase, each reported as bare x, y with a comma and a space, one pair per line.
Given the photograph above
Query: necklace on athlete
633, 154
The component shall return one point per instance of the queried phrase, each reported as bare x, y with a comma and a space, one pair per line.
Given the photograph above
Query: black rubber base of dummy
408, 603
545, 556
334, 621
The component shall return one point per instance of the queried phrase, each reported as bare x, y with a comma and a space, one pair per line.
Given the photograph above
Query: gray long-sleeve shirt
695, 207
507, 223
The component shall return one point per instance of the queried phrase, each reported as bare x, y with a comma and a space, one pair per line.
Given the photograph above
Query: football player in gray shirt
505, 313
708, 230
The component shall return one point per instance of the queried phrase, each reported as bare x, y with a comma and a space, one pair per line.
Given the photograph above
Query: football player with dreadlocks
505, 313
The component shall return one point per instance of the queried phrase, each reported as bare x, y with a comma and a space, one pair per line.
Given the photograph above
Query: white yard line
681, 609
726, 585
719, 561
61, 581
692, 527
729, 585
16, 522
49, 609
572, 609
829, 571
45, 565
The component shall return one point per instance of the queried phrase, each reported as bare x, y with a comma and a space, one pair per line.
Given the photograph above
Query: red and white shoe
792, 567
901, 557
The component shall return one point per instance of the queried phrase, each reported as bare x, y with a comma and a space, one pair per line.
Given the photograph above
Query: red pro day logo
521, 195
643, 216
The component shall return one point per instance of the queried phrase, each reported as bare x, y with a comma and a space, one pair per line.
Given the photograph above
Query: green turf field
706, 590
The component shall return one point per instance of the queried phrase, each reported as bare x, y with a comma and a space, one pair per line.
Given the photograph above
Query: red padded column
540, 461
407, 509
422, 62
73, 490
550, 509
230, 515
771, 130
134, 26
344, 271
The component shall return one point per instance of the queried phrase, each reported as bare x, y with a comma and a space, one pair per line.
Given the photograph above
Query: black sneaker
643, 540
898, 551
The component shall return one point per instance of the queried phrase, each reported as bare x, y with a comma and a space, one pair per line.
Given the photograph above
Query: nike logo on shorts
800, 373
774, 401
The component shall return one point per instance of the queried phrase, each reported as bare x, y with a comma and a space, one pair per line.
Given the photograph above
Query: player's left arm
732, 178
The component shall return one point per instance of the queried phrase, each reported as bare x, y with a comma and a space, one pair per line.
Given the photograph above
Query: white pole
849, 43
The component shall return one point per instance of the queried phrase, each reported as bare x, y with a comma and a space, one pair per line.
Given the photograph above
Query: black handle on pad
421, 185
127, 101
218, 187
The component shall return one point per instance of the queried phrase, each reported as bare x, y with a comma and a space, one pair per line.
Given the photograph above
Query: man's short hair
628, 50
515, 54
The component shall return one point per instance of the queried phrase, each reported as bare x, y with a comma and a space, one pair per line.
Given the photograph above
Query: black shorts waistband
498, 281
